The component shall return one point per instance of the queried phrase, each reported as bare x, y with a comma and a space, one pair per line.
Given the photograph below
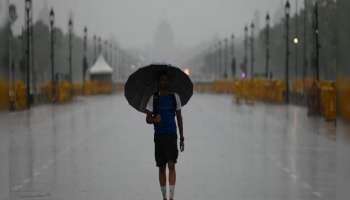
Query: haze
133, 22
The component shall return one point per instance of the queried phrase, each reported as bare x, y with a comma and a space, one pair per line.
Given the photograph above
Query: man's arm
180, 124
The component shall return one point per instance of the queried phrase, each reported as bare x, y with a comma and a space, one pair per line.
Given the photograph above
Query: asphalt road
100, 148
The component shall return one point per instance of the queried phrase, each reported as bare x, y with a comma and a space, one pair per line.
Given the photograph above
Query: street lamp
245, 50
226, 58
105, 50
99, 46
287, 13
233, 60
267, 64
70, 29
317, 41
305, 38
85, 62
28, 7
296, 40
52, 22
117, 58
11, 71
252, 27
95, 48
220, 59
111, 54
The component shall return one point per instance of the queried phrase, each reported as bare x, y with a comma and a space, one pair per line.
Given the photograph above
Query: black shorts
165, 149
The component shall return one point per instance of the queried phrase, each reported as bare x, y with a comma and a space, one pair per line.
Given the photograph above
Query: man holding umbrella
161, 110
160, 91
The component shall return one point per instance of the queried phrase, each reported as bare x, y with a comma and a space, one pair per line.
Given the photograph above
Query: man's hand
182, 144
157, 119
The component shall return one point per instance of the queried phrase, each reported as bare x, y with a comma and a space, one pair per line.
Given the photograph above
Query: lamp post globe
70, 25
287, 8
296, 40
268, 19
28, 4
52, 17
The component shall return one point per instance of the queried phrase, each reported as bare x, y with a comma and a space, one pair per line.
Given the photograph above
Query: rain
257, 92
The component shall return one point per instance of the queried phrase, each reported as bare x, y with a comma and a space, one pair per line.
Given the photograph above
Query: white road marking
36, 174
307, 186
45, 167
25, 181
317, 194
286, 170
16, 188
294, 177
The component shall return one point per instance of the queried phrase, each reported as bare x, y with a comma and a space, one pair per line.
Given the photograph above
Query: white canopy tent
101, 71
100, 67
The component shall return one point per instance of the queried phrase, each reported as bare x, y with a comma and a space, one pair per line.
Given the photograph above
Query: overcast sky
133, 22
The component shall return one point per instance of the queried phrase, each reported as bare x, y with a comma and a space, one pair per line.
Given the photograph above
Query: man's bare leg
172, 180
162, 181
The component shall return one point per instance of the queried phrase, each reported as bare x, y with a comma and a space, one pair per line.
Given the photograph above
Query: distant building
164, 45
44, 14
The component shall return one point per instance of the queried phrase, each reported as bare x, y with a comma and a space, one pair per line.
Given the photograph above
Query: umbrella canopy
142, 84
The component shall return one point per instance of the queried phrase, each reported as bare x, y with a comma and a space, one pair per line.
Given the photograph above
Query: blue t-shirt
167, 108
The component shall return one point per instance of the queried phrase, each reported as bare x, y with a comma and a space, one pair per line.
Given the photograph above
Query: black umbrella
143, 83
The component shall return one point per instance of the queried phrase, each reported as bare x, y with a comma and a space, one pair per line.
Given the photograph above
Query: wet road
100, 148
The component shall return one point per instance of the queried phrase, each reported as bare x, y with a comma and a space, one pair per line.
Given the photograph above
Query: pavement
101, 148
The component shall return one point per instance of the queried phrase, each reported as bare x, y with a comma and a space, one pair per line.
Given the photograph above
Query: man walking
161, 110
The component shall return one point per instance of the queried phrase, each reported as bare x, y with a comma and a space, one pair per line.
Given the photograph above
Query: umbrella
143, 83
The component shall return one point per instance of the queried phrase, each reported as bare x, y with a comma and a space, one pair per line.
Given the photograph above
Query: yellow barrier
4, 96
20, 100
259, 90
47, 89
62, 90
17, 101
343, 87
78, 88
328, 101
224, 86
98, 87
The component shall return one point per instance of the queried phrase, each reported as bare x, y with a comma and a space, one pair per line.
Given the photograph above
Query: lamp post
267, 63
226, 58
99, 46
220, 59
105, 50
233, 59
85, 62
287, 13
252, 41
317, 41
296, 42
305, 61
28, 8
111, 54
52, 55
217, 61
245, 50
116, 63
12, 19
70, 29
95, 48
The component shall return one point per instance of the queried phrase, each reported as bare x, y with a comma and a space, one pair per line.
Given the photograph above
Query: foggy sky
133, 22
